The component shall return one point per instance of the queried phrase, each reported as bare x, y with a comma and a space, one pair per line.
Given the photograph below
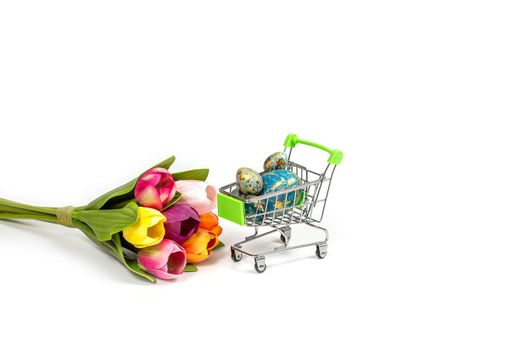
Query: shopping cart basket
301, 204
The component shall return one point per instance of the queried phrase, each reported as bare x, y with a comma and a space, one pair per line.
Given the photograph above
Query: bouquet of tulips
159, 224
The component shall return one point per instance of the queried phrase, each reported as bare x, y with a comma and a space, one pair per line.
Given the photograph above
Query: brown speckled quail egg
277, 160
249, 181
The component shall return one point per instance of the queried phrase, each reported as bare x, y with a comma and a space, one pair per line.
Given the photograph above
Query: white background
426, 99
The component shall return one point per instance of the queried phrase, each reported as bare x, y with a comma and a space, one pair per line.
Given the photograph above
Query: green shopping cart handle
335, 155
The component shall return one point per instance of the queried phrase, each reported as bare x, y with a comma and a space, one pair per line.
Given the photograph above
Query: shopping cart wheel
236, 255
321, 251
286, 232
260, 268
260, 264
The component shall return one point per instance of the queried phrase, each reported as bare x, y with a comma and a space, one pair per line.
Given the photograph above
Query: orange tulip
199, 246
210, 222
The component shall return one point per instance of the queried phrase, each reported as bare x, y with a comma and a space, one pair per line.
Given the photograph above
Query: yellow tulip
148, 230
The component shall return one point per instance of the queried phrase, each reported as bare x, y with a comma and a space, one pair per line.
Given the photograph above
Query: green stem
14, 210
42, 217
46, 210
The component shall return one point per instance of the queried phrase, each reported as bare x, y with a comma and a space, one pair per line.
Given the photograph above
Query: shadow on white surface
71, 242
300, 235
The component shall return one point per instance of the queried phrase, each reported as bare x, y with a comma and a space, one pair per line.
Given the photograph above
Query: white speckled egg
277, 160
249, 181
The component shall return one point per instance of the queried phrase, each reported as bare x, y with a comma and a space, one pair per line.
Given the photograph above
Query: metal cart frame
302, 204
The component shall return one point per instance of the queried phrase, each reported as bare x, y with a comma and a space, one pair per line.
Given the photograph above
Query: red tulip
155, 188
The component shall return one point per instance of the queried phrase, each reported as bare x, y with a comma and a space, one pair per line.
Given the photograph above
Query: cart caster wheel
260, 268
321, 251
236, 256
286, 233
260, 264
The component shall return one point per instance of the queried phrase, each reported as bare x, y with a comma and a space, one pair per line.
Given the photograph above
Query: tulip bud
210, 222
197, 194
155, 188
182, 222
148, 230
199, 246
165, 260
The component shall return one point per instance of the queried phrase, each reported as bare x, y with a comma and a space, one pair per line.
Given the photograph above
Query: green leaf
114, 247
195, 174
166, 164
132, 264
113, 204
119, 192
105, 223
220, 245
124, 192
108, 246
190, 268
175, 199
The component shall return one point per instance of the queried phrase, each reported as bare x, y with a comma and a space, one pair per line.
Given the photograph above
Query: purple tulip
182, 222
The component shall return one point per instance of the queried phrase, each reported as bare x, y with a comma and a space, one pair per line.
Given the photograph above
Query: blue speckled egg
274, 207
253, 208
279, 180
249, 181
278, 160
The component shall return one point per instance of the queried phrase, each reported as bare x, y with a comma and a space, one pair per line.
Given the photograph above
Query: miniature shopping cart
301, 204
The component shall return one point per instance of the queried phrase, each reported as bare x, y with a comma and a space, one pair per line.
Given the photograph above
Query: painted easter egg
279, 180
250, 208
255, 207
277, 160
249, 181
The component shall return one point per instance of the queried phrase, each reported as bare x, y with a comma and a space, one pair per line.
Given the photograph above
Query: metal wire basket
301, 204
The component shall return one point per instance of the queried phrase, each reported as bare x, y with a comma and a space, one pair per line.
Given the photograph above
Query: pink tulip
165, 260
182, 222
197, 194
155, 188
